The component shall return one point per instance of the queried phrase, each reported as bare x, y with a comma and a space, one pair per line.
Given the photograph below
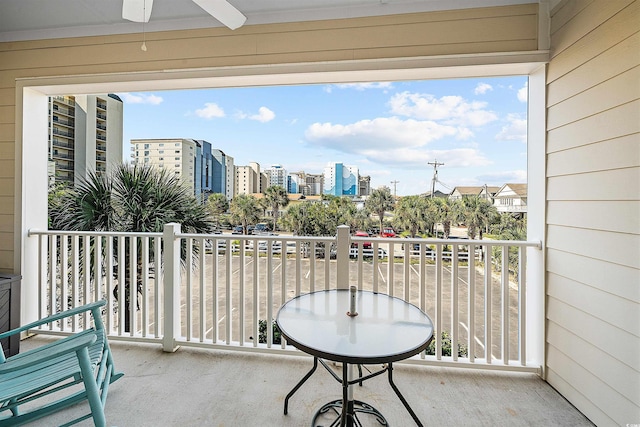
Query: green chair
61, 373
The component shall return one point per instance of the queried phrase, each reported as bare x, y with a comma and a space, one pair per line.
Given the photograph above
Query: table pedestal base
330, 414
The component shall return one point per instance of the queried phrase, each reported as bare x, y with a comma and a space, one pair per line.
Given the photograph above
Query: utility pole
394, 188
435, 175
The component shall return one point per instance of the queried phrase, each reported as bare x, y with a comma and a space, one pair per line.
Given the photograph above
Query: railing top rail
36, 232
433, 241
268, 237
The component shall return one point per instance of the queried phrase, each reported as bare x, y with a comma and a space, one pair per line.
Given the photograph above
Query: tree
411, 213
443, 211
276, 197
131, 199
217, 205
379, 202
476, 213
245, 210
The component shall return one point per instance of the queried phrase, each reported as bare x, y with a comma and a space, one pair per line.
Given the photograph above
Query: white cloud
514, 130
451, 110
140, 98
393, 141
264, 115
523, 93
359, 86
482, 88
211, 110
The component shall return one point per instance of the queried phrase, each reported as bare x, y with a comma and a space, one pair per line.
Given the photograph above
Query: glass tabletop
386, 329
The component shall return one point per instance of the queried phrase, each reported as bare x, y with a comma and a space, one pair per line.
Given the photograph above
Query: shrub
262, 332
463, 351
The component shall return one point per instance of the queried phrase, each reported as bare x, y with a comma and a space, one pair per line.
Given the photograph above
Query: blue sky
389, 130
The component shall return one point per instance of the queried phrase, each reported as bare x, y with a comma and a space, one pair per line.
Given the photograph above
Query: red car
365, 245
388, 232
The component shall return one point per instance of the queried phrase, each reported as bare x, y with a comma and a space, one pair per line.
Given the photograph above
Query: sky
391, 131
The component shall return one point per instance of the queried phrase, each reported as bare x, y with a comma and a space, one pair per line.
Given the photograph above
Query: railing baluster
227, 290
407, 270
504, 279
145, 285
188, 302
522, 305
269, 273
158, 284
121, 283
133, 285
214, 286
438, 303
471, 304
454, 302
487, 308
202, 313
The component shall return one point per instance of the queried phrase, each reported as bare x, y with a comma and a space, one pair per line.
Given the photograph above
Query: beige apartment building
85, 135
176, 155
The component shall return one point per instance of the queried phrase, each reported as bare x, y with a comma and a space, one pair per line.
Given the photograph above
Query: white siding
593, 208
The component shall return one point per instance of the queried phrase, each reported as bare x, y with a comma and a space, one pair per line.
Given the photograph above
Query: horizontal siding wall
451, 33
593, 208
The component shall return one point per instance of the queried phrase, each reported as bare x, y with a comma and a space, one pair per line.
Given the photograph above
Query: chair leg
93, 394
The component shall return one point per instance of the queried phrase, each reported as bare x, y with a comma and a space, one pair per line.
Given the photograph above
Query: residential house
511, 198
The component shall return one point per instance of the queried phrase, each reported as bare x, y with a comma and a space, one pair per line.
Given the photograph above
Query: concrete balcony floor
196, 387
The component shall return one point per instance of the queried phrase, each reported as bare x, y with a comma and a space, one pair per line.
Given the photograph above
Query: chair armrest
54, 350
54, 317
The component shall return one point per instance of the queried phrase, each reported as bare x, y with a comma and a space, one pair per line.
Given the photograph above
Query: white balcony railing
226, 286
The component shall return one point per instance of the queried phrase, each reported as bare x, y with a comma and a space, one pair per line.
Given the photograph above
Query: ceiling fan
222, 10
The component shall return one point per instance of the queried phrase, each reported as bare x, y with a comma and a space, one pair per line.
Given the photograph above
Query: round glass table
383, 330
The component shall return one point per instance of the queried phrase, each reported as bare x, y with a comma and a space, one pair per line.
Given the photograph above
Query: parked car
237, 230
388, 232
360, 233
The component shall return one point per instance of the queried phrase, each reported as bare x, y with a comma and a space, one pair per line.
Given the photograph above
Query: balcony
244, 389
229, 288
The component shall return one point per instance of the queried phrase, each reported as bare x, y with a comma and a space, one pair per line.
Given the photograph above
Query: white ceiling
44, 19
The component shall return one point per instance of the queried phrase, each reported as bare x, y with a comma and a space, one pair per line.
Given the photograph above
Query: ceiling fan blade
223, 11
137, 10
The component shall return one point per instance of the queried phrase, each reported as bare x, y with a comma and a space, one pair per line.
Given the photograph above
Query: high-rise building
340, 180
295, 182
177, 155
277, 175
85, 135
248, 179
223, 174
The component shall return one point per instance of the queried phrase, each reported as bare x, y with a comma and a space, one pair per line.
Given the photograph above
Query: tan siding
621, 57
621, 184
617, 248
593, 208
607, 125
623, 152
595, 44
596, 99
588, 20
616, 216
613, 278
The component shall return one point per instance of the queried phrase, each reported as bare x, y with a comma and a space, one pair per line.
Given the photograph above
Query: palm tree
477, 214
444, 213
276, 197
245, 210
217, 205
411, 213
379, 202
131, 199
